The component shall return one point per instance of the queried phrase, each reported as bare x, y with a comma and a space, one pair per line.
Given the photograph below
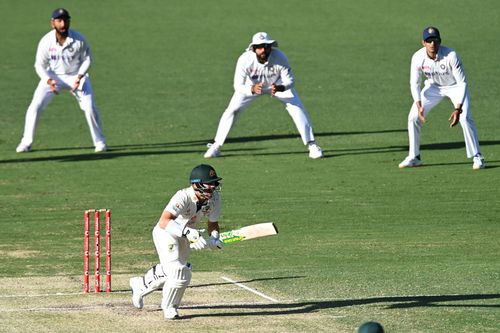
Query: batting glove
214, 241
195, 239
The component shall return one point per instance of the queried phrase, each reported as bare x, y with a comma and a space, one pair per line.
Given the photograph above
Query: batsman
175, 234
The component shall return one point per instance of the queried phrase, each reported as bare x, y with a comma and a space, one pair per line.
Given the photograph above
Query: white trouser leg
178, 279
173, 253
430, 98
298, 113
237, 105
153, 280
41, 98
85, 99
469, 130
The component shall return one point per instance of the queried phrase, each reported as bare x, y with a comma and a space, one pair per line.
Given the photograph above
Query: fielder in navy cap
60, 13
444, 76
62, 62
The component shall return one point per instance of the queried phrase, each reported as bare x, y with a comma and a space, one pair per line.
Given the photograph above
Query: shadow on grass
171, 148
392, 302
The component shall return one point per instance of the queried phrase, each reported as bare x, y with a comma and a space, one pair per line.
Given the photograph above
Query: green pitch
416, 250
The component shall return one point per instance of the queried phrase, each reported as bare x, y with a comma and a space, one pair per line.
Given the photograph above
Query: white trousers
431, 95
84, 96
240, 102
172, 251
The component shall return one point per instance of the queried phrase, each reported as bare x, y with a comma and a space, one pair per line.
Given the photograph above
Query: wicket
97, 249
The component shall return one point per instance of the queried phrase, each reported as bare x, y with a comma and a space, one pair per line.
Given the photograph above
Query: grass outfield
416, 250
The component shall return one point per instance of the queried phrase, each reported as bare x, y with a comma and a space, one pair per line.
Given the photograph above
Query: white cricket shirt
445, 71
184, 205
72, 58
250, 71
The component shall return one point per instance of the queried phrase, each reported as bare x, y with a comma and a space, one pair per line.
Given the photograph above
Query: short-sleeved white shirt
184, 206
72, 58
250, 71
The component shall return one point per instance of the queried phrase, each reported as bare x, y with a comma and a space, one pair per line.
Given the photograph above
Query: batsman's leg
153, 280
178, 278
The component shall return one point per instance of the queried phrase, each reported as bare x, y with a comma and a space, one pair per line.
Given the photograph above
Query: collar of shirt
192, 194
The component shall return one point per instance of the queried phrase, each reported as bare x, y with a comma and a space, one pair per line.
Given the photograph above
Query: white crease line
250, 289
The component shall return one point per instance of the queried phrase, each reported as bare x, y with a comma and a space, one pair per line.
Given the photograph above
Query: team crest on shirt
171, 247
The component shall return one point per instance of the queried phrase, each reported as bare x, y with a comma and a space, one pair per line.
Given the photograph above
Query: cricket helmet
204, 174
371, 327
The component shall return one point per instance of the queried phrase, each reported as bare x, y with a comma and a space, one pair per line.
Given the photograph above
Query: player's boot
100, 147
315, 151
138, 288
22, 148
171, 313
212, 151
479, 162
410, 162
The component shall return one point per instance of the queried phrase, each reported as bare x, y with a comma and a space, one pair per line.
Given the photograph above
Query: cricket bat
249, 232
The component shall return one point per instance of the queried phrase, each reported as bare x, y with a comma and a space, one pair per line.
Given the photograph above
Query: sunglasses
433, 39
262, 46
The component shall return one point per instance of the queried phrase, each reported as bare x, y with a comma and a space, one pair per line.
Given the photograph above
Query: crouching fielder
445, 77
176, 234
264, 70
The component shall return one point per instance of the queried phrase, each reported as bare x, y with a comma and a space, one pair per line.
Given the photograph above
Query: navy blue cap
60, 12
431, 32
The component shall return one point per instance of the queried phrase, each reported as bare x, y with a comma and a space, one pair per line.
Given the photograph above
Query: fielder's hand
77, 83
455, 117
421, 115
214, 242
52, 85
195, 238
277, 88
257, 88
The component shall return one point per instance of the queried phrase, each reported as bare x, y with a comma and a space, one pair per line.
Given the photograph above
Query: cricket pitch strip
214, 302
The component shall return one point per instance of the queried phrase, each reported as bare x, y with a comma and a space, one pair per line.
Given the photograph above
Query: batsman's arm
212, 225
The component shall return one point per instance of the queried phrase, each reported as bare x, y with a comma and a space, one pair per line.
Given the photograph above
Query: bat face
249, 232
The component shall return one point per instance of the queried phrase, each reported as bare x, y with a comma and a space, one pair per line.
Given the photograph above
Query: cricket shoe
410, 162
315, 151
138, 288
22, 148
479, 162
171, 313
212, 151
100, 147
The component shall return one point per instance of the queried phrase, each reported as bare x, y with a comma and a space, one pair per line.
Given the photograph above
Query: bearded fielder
175, 234
445, 77
62, 62
262, 70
